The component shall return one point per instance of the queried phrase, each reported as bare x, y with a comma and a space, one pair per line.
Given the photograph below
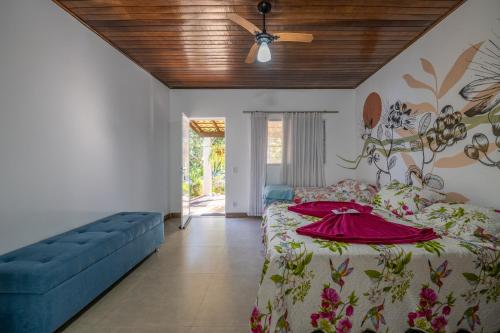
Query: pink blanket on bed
354, 223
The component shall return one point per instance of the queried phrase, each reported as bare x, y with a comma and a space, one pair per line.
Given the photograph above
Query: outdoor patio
208, 205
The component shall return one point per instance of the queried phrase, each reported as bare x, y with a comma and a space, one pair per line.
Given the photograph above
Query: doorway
207, 167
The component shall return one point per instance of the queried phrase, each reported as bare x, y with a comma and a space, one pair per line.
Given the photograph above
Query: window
274, 141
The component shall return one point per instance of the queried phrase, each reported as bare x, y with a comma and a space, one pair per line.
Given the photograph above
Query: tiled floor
203, 279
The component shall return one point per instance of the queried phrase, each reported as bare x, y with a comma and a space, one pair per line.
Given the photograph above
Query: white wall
475, 21
230, 104
83, 130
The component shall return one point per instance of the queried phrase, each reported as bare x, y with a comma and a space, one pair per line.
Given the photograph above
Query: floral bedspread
312, 285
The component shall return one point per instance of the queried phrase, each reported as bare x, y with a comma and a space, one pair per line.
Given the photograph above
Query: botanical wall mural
418, 135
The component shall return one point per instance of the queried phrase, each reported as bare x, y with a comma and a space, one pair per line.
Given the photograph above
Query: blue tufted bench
44, 284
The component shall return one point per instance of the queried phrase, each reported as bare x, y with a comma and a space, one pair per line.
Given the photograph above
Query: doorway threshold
208, 205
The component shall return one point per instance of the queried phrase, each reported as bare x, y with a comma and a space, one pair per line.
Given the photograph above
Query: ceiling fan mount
264, 7
264, 37
260, 49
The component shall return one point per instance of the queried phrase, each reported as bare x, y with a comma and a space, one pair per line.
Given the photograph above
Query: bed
313, 285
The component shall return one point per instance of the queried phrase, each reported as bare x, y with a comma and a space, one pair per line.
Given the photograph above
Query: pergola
208, 128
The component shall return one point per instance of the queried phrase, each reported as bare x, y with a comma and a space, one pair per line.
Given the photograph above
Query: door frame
185, 180
225, 155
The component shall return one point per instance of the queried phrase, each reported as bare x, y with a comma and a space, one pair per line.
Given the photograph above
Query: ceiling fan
260, 49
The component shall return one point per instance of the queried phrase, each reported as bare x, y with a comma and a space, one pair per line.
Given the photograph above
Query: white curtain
303, 149
258, 162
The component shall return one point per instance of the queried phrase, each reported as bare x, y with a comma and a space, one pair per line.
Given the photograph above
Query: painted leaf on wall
408, 159
377, 177
458, 69
456, 197
459, 160
422, 107
456, 161
372, 110
427, 67
380, 132
414, 83
401, 132
478, 104
424, 123
392, 162
388, 134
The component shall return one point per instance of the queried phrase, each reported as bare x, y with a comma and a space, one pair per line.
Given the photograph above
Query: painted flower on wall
484, 91
478, 150
448, 129
372, 155
423, 146
399, 116
483, 95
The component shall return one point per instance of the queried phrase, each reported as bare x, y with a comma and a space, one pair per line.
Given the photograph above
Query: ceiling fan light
264, 54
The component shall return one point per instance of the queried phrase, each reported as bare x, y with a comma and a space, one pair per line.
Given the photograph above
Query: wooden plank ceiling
191, 44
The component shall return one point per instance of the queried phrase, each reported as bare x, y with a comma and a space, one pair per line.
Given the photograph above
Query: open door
186, 183
207, 166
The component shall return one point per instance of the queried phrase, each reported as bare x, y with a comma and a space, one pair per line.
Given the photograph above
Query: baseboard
235, 215
171, 216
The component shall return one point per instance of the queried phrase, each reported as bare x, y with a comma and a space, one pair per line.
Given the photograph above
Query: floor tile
219, 329
229, 301
204, 279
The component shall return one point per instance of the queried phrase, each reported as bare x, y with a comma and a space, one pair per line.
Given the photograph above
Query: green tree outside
216, 159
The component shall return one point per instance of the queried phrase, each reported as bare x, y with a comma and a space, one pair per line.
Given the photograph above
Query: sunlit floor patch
208, 205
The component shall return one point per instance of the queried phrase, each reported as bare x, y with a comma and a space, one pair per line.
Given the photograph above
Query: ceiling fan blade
252, 28
294, 37
252, 54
